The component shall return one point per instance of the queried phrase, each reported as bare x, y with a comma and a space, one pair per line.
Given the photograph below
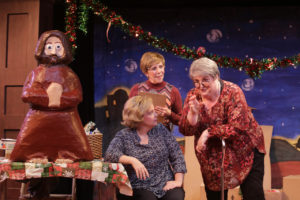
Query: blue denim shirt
162, 157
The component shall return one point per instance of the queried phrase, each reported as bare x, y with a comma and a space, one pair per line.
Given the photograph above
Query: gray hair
204, 66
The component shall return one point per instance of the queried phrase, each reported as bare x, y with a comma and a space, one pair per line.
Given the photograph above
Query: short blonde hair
135, 109
204, 66
149, 59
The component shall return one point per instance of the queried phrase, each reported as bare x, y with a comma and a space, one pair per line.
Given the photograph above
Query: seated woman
150, 154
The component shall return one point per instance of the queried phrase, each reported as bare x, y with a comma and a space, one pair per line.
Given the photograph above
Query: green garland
83, 18
71, 21
253, 67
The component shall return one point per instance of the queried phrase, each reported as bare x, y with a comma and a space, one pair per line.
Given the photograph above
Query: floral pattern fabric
95, 170
230, 119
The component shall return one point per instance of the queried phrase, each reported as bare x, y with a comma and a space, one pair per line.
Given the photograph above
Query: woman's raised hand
194, 107
194, 104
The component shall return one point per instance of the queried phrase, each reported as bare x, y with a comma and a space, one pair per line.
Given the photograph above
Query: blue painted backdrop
256, 32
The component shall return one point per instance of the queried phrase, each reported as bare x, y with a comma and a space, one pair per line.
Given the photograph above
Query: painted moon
248, 84
214, 36
130, 65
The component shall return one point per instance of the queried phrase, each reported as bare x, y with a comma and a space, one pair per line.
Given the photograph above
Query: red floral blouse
230, 119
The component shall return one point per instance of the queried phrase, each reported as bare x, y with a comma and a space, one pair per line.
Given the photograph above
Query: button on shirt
162, 157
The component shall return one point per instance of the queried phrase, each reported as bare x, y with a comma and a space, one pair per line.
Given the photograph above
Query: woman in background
152, 64
150, 154
217, 110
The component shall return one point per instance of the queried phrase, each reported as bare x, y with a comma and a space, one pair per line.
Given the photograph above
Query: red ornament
201, 50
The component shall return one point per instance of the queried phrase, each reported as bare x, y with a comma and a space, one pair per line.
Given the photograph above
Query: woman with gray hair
216, 110
150, 154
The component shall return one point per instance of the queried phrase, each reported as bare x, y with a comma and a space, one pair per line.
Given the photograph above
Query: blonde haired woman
150, 154
217, 110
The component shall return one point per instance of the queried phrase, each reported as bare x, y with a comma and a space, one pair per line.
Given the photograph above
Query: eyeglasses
205, 81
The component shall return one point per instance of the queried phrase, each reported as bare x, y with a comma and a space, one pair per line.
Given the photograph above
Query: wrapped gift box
7, 145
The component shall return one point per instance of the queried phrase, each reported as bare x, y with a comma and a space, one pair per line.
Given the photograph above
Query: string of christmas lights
253, 67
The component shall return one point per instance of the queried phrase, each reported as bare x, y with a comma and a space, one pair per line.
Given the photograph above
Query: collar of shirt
137, 139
